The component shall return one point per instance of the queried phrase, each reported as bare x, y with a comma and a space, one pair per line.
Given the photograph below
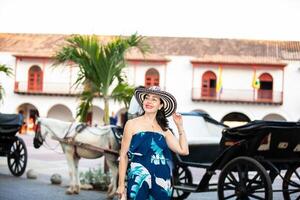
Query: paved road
12, 188
46, 162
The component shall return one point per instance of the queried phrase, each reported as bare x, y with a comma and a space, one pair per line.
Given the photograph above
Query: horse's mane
60, 128
57, 126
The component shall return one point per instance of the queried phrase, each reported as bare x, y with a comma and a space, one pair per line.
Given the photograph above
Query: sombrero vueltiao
169, 100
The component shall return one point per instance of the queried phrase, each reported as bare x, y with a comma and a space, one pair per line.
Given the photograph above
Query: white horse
103, 138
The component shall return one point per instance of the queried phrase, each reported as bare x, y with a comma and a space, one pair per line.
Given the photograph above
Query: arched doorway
265, 91
274, 117
122, 117
151, 78
208, 85
235, 119
95, 116
30, 113
35, 79
60, 112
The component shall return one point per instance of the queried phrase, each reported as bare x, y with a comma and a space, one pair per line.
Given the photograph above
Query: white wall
176, 77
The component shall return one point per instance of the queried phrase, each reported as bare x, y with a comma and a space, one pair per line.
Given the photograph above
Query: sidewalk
47, 162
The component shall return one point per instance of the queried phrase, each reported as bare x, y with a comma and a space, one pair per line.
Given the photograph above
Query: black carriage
250, 157
12, 146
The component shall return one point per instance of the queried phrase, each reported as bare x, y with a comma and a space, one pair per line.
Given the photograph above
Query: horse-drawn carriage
247, 159
12, 146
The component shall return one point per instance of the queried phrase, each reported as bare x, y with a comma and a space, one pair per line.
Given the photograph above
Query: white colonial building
189, 68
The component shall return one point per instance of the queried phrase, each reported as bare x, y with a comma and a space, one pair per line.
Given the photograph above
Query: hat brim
168, 99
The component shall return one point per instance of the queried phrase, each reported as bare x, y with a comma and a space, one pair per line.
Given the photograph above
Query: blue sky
247, 19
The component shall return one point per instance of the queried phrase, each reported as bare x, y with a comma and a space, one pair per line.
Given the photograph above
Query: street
46, 162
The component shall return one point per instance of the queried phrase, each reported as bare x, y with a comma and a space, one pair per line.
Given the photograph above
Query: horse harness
71, 141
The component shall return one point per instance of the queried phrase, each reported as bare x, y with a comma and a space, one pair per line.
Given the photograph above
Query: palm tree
7, 71
100, 67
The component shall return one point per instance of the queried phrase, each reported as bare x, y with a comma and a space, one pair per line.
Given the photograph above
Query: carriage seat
251, 129
10, 123
11, 119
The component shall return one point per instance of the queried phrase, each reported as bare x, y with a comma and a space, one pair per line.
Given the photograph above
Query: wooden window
208, 87
265, 91
152, 78
35, 79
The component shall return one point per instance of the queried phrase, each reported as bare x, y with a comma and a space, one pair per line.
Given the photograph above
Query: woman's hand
120, 193
177, 119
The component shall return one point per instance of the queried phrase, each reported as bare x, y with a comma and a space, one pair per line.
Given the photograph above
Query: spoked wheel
244, 178
291, 183
181, 175
17, 157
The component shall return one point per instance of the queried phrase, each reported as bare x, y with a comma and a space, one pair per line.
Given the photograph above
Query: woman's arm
127, 135
181, 147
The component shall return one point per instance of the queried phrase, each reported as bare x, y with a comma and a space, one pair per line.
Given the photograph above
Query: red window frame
35, 79
152, 78
208, 84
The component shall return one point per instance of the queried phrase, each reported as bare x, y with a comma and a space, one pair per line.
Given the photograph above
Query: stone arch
30, 113
122, 117
235, 119
61, 112
274, 117
97, 116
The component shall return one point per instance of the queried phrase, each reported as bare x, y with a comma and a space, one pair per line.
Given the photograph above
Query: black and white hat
168, 99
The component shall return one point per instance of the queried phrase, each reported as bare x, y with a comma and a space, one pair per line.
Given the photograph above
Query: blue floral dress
149, 174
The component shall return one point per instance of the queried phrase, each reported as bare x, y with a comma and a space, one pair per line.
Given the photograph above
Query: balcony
239, 96
48, 88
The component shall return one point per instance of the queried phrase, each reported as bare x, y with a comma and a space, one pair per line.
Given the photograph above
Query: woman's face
151, 103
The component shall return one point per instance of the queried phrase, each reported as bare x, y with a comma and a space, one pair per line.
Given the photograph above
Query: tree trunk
106, 122
106, 110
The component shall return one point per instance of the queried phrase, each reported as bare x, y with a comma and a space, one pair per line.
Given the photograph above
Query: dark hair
160, 117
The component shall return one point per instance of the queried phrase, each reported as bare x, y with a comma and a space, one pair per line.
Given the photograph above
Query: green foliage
7, 71
100, 65
95, 177
123, 93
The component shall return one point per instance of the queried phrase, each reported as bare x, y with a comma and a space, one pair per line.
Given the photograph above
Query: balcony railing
50, 88
234, 95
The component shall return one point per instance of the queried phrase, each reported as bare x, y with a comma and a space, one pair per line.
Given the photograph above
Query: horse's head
39, 137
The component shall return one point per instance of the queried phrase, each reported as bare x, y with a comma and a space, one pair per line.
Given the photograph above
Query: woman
146, 143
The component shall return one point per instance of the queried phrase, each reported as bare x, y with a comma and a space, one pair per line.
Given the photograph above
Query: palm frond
100, 64
86, 100
123, 93
6, 70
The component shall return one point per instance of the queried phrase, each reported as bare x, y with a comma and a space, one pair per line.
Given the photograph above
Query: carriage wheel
244, 178
17, 157
291, 183
181, 175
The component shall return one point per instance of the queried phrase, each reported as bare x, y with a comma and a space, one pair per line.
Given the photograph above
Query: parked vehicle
203, 134
12, 146
250, 158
